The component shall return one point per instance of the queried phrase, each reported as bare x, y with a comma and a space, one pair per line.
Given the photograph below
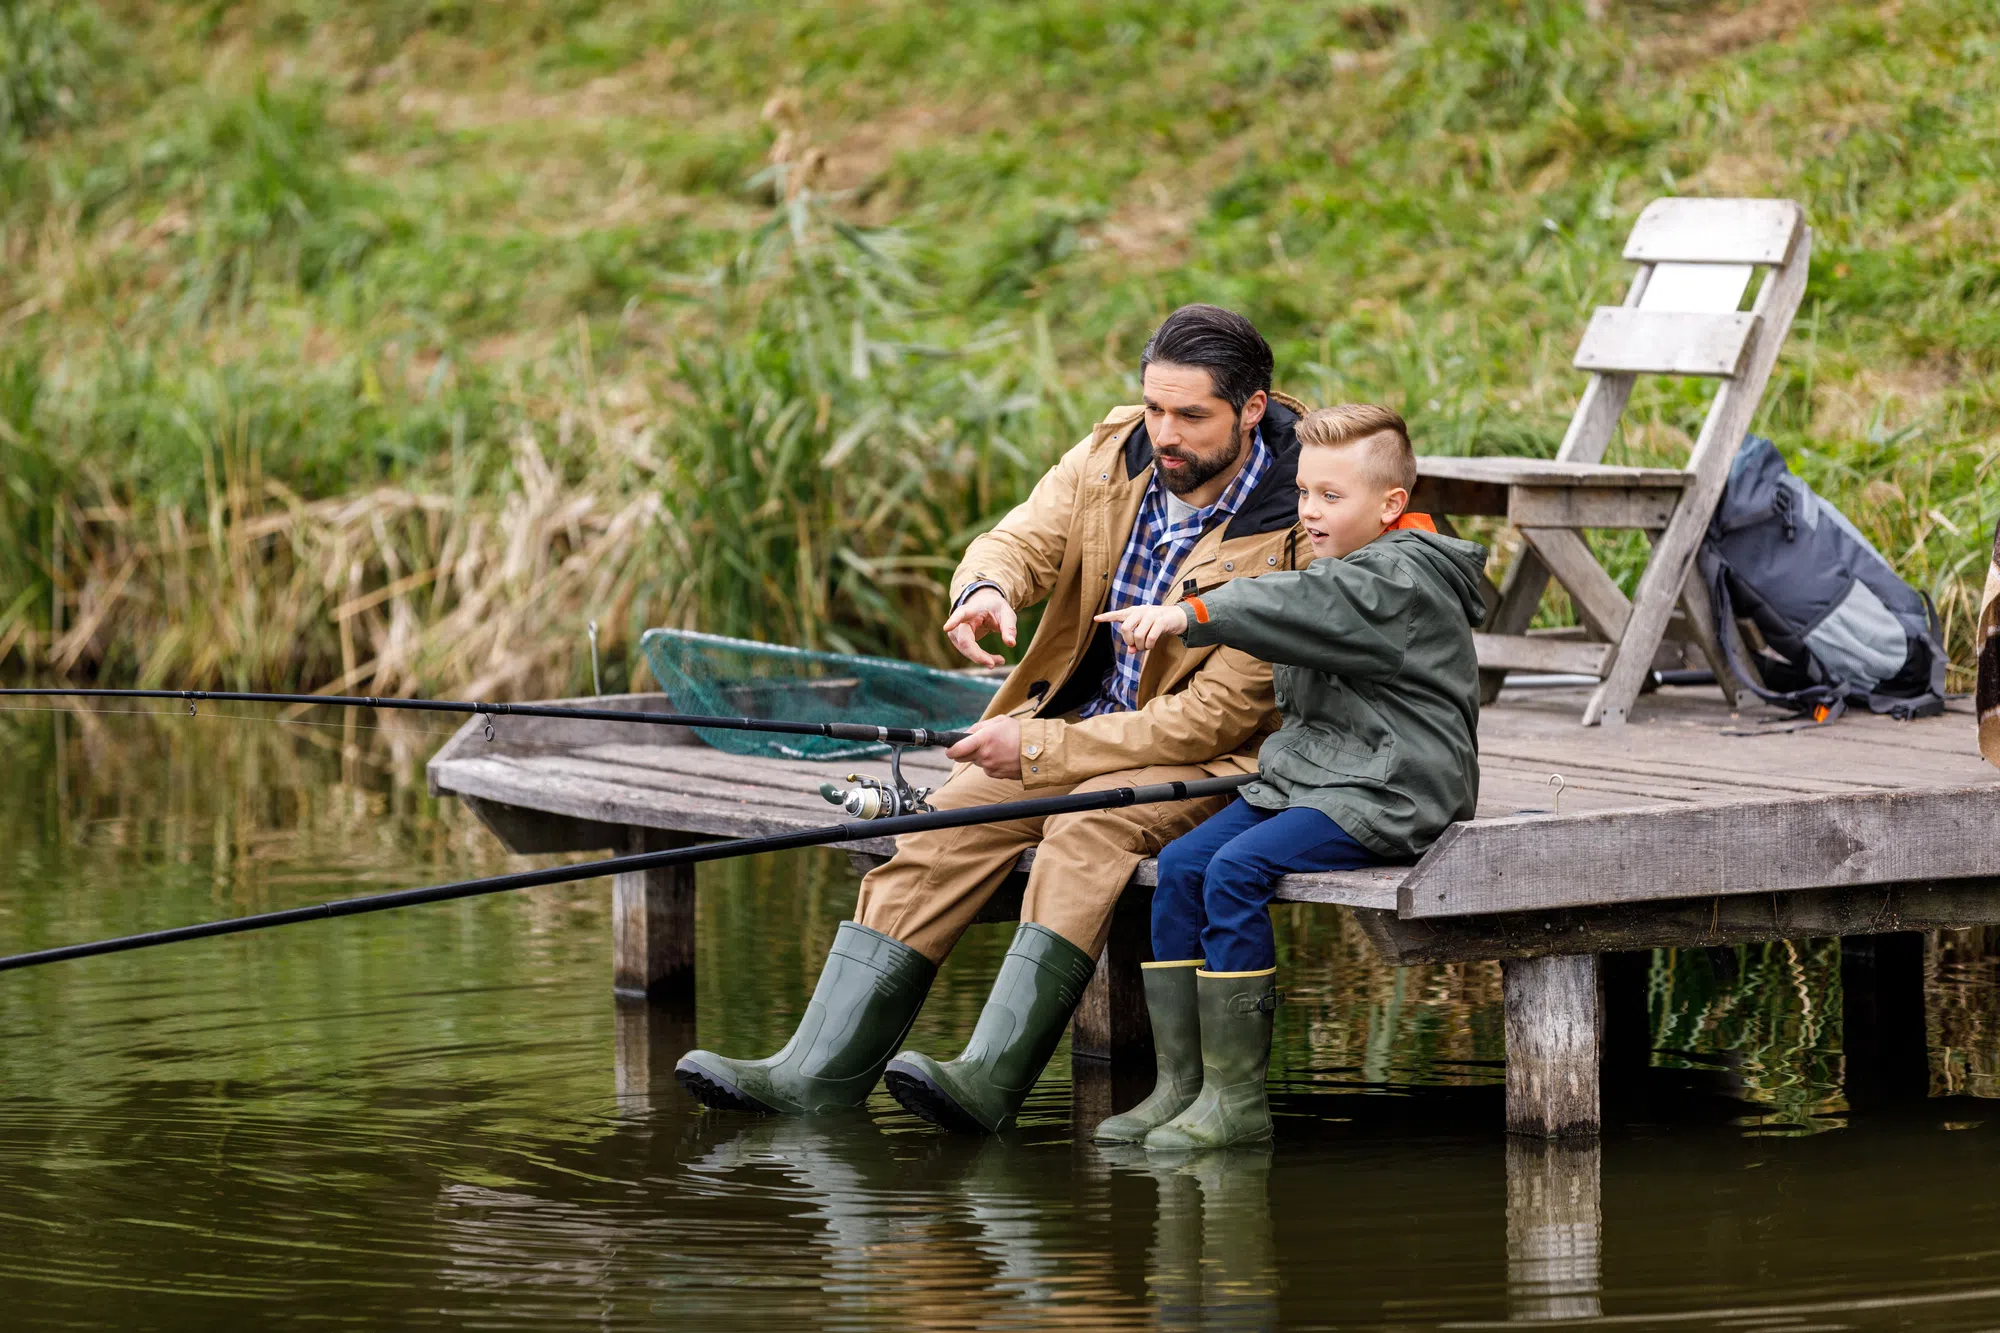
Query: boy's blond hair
1390, 460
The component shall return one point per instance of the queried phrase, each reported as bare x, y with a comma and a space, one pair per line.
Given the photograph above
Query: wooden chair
1681, 317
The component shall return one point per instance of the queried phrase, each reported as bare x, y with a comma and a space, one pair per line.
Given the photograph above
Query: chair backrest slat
1711, 288
1716, 231
1663, 342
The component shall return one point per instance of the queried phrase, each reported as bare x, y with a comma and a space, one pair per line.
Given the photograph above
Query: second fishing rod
1038, 807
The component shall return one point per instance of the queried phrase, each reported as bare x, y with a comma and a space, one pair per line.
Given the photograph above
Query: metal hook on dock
1556, 781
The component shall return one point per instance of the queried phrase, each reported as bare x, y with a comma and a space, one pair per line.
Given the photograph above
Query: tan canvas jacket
1209, 706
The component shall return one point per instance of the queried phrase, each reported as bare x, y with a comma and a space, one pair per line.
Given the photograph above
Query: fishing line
412, 729
854, 830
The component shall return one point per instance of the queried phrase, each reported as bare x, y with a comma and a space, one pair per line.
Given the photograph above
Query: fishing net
720, 677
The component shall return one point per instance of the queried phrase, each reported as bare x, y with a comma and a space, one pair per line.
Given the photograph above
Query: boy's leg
1177, 907
1242, 876
1236, 993
1170, 977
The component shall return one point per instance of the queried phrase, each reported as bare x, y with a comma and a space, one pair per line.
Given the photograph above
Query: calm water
440, 1117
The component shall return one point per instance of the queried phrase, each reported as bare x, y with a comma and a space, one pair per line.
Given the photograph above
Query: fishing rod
846, 831
869, 798
865, 733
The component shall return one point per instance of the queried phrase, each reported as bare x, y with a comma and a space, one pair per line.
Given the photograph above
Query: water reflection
650, 1036
1555, 1230
1213, 1262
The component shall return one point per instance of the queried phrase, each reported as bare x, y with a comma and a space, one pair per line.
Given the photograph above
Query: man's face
1342, 505
1198, 440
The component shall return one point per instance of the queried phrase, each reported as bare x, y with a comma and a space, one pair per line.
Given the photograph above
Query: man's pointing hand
983, 613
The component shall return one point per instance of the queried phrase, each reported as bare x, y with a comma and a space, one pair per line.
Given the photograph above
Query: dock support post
1111, 1022
648, 1037
1100, 1089
1884, 1030
1554, 1230
1555, 1032
652, 924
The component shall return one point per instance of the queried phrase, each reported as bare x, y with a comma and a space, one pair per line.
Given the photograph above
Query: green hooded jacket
1376, 680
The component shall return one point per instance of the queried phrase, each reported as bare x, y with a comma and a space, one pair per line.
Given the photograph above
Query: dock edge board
1885, 836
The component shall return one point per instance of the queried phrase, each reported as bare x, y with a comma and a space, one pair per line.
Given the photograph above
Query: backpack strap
1903, 707
1824, 703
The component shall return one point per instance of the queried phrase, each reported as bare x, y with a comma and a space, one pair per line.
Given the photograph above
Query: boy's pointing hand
1144, 626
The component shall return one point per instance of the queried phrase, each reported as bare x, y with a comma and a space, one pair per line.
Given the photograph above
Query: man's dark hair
1221, 342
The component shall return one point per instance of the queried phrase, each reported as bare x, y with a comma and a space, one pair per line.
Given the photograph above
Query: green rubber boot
867, 997
1236, 1010
1040, 981
1170, 1007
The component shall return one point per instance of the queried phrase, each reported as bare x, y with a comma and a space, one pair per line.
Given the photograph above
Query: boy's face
1342, 505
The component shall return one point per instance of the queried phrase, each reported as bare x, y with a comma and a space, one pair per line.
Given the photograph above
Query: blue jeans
1216, 882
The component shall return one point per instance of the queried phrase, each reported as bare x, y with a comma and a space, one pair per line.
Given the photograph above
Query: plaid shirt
1153, 554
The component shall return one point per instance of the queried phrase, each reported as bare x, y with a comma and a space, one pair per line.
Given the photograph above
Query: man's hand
994, 745
1144, 626
985, 612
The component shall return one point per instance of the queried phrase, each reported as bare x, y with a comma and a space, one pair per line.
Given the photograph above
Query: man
1162, 501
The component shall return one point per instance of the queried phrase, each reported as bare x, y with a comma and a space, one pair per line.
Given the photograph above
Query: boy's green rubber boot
1170, 1006
1236, 1010
1040, 981
867, 997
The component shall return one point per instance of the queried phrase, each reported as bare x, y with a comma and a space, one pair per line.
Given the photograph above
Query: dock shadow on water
441, 1117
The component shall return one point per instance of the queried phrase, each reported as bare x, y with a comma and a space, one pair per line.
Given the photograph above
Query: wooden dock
1691, 826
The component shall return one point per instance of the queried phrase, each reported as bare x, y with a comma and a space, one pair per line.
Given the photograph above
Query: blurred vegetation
386, 344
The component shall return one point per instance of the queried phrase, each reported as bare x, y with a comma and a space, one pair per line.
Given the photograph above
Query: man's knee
1094, 829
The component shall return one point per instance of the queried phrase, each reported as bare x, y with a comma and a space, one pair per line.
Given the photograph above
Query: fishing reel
871, 798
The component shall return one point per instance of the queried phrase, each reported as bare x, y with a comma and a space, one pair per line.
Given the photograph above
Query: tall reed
807, 480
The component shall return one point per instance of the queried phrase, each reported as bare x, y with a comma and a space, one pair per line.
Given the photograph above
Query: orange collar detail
1409, 522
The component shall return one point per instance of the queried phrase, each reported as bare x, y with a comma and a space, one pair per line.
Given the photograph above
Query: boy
1378, 690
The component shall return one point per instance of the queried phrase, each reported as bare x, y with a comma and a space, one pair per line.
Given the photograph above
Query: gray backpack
1838, 625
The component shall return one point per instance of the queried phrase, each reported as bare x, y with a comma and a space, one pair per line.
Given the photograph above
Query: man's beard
1197, 471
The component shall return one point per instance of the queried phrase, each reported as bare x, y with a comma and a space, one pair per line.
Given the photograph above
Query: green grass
503, 317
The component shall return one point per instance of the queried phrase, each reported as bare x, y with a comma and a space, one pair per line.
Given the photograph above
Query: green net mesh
707, 673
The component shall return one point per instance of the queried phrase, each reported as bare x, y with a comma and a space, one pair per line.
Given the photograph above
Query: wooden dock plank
1856, 759
1686, 922
1512, 865
607, 799
675, 788
1664, 782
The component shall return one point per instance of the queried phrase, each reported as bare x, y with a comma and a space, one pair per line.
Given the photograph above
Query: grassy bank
385, 345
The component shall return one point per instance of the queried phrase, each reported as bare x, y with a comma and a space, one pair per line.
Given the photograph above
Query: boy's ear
1394, 502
